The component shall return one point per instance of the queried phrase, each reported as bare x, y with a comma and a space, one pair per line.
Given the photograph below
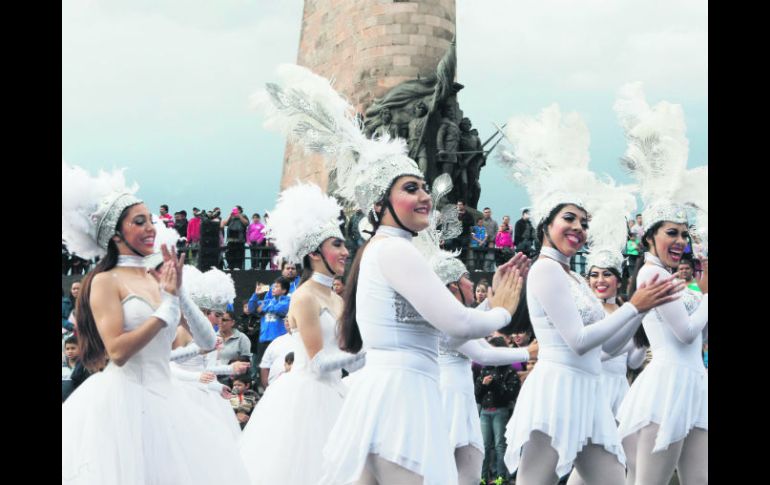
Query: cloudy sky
162, 87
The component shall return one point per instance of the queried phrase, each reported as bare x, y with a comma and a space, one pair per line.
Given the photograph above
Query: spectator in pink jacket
504, 237
194, 236
254, 238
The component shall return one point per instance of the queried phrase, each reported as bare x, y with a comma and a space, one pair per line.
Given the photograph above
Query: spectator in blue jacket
273, 309
67, 305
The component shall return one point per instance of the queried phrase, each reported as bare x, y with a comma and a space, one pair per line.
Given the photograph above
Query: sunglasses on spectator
228, 320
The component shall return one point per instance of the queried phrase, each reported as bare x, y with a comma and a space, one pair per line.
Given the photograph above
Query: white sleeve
268, 357
484, 306
332, 360
355, 366
221, 369
615, 344
185, 375
405, 269
480, 351
636, 357
215, 386
674, 314
200, 326
547, 283
180, 354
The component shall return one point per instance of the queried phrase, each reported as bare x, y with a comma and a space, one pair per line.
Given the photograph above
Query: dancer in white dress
666, 410
605, 263
455, 354
209, 293
391, 428
284, 438
132, 423
561, 416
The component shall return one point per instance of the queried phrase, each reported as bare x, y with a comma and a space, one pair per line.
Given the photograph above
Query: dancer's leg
538, 461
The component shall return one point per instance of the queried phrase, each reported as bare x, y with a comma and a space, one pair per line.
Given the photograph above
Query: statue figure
417, 149
387, 127
448, 141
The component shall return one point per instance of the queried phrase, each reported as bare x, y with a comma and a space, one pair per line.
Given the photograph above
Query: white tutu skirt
285, 435
219, 407
462, 417
394, 413
569, 406
615, 387
119, 432
673, 396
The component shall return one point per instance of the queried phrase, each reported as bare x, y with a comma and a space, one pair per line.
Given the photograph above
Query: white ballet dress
562, 396
136, 425
285, 435
393, 408
456, 383
208, 395
672, 391
614, 372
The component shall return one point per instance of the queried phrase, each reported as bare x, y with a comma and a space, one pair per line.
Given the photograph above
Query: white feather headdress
657, 157
305, 107
91, 207
608, 227
303, 218
444, 225
212, 290
549, 157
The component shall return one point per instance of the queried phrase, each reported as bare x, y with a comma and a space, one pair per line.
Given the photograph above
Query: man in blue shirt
478, 242
273, 308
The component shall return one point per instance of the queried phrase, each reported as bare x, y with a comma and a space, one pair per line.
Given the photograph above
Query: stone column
367, 47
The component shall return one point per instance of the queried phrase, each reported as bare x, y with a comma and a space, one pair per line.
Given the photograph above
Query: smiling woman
131, 422
665, 415
558, 419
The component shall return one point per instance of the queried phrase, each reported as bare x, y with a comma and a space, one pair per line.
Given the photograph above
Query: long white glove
200, 326
168, 311
180, 354
326, 360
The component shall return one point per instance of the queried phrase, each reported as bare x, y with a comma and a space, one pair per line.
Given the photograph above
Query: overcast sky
162, 87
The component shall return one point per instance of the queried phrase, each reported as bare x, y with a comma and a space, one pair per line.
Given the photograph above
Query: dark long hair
348, 332
307, 270
520, 321
92, 351
640, 337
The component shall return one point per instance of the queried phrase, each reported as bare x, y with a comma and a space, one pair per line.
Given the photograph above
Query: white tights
593, 463
379, 471
629, 447
688, 456
469, 461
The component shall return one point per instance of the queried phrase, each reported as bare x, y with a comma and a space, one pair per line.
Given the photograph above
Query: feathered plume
164, 235
656, 157
306, 108
192, 279
657, 150
608, 227
82, 195
549, 157
443, 226
219, 288
302, 219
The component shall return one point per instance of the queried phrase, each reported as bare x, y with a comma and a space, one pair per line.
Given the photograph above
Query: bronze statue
417, 150
448, 142
387, 127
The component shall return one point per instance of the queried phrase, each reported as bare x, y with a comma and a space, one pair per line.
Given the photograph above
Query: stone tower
367, 47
